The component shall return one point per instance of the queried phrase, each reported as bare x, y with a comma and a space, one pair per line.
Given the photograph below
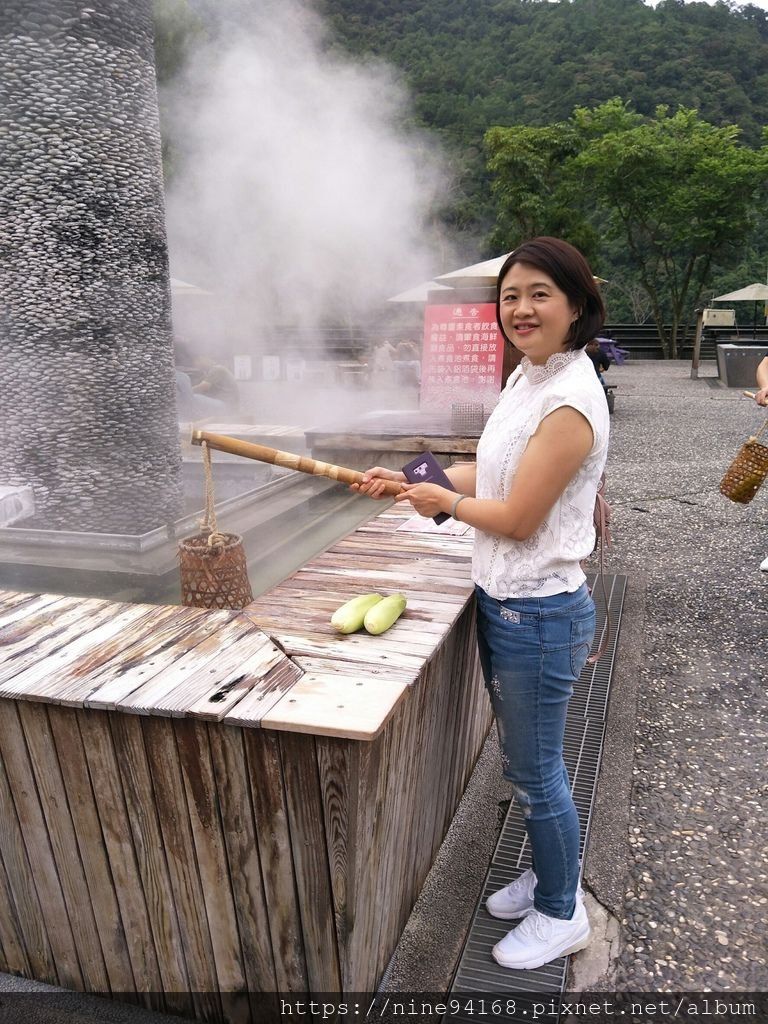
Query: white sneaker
764, 565
541, 939
514, 900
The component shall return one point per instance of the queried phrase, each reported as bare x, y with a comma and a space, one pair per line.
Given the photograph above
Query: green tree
678, 192
661, 199
528, 183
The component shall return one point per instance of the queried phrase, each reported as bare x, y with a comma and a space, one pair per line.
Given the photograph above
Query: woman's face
535, 314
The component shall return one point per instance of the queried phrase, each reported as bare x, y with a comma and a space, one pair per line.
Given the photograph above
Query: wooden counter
234, 802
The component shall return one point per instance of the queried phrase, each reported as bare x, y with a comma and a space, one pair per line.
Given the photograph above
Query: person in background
383, 360
761, 397
190, 406
602, 361
530, 498
408, 363
216, 383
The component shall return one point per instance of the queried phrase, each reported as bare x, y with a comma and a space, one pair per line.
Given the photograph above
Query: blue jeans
532, 650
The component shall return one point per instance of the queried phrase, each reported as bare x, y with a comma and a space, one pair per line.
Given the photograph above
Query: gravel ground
696, 884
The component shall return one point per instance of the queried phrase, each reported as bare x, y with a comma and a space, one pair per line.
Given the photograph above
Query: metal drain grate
477, 973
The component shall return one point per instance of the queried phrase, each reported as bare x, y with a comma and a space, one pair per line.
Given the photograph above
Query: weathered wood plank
74, 883
368, 795
316, 615
201, 788
353, 669
98, 881
202, 656
122, 679
149, 845
219, 684
25, 611
183, 878
336, 706
395, 642
48, 636
347, 648
23, 903
393, 544
273, 838
141, 639
38, 847
439, 615
105, 773
402, 804
449, 564
252, 707
420, 568
12, 951
310, 858
104, 636
335, 765
421, 590
364, 579
239, 828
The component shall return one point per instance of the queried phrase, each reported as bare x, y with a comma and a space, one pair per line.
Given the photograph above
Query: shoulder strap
602, 521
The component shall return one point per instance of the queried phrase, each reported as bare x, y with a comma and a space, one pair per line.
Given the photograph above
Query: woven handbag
747, 471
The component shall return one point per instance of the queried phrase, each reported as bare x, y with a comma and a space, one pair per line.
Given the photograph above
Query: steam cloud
297, 194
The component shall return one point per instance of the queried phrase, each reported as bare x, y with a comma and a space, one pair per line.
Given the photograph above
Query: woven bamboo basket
214, 573
746, 473
214, 570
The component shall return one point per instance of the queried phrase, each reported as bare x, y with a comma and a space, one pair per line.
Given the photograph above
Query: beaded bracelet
456, 503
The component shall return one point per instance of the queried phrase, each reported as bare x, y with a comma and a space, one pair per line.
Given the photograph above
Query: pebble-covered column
87, 385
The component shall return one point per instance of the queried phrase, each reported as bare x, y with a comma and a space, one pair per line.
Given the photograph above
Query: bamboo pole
289, 460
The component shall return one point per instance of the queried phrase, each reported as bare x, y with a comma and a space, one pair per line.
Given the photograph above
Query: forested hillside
472, 65
484, 62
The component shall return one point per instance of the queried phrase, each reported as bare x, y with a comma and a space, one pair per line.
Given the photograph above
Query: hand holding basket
747, 471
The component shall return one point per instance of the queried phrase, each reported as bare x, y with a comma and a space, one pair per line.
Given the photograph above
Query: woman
530, 498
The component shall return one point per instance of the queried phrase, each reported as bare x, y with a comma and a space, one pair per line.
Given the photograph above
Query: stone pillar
87, 386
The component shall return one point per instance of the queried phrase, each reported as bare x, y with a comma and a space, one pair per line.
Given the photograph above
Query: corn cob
384, 613
350, 616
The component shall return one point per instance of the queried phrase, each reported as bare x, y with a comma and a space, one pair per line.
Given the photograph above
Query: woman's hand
372, 484
761, 396
427, 499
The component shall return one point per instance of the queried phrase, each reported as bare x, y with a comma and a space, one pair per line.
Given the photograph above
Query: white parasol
755, 292
752, 293
420, 293
486, 272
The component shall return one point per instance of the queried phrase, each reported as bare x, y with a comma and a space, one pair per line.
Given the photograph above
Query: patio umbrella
756, 293
478, 273
420, 293
485, 273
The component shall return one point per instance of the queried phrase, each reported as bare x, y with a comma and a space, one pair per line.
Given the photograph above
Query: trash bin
737, 364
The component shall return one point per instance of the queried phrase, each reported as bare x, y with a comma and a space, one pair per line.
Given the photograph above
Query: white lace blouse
548, 562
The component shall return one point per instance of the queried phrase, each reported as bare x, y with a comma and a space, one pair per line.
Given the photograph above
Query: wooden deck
234, 802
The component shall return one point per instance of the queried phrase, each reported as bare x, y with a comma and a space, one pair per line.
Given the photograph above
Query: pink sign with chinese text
462, 355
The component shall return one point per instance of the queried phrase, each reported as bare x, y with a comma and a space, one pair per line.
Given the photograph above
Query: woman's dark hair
570, 272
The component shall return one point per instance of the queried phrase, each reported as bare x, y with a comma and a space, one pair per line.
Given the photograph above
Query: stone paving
696, 899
